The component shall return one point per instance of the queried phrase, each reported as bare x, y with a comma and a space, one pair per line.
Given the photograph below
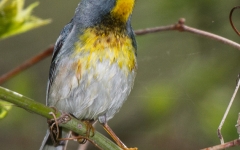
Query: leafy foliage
14, 19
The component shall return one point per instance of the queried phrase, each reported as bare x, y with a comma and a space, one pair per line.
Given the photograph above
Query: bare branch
225, 145
154, 30
180, 26
227, 111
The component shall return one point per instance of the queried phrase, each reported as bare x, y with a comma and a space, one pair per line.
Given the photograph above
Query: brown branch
154, 30
26, 64
225, 145
180, 26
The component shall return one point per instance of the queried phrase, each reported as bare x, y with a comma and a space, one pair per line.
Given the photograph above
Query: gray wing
57, 48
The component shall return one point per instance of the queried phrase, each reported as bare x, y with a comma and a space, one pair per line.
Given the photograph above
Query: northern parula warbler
93, 64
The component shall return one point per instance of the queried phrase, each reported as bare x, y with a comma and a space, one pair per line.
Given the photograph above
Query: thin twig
213, 37
225, 145
227, 111
180, 26
30, 62
154, 30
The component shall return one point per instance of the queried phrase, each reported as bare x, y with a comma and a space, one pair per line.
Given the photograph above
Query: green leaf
14, 19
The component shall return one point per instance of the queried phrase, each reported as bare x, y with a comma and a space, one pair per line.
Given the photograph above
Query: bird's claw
54, 128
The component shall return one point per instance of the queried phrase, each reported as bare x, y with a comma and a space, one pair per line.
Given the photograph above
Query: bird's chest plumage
97, 77
94, 47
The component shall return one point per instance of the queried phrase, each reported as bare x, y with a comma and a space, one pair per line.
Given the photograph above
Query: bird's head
105, 12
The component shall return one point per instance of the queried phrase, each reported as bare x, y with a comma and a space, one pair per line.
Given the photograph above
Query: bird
94, 65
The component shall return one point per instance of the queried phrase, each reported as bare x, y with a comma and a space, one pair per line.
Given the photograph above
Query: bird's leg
90, 129
55, 130
115, 138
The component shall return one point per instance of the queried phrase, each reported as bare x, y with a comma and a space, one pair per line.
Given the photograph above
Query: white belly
99, 91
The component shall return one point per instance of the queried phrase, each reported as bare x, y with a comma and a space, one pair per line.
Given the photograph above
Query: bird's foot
55, 130
89, 128
89, 132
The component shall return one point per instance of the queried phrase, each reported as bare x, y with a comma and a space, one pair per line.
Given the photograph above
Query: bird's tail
48, 144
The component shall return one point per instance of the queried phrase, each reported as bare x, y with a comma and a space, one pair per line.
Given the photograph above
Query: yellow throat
123, 9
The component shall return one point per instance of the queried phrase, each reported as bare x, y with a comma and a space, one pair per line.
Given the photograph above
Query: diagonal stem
227, 111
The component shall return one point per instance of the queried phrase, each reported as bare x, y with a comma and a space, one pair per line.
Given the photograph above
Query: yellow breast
95, 46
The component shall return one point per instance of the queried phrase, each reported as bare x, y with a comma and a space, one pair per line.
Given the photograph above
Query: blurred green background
183, 86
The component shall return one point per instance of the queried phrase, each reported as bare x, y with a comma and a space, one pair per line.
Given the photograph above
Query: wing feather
57, 48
